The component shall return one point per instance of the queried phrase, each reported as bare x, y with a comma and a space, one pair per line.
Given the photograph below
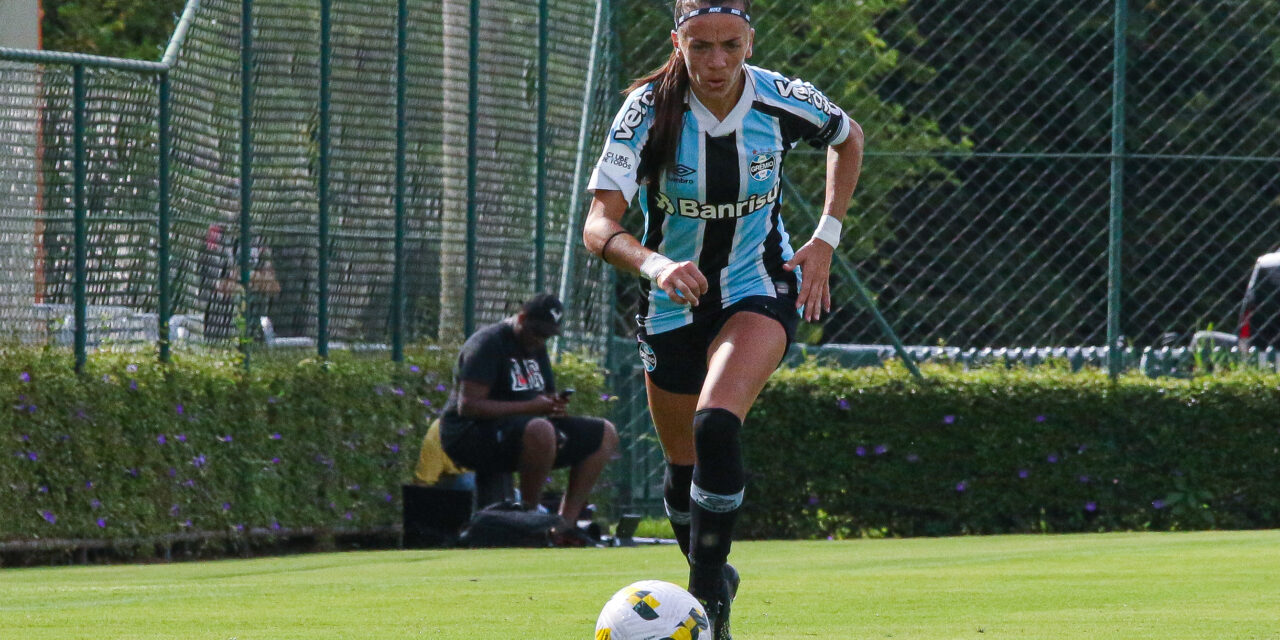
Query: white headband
709, 10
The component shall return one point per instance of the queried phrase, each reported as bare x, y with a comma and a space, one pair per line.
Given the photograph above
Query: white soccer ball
652, 610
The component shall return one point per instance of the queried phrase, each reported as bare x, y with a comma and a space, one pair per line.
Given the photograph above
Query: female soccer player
702, 141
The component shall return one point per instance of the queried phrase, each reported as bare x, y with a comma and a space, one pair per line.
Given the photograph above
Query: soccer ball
652, 610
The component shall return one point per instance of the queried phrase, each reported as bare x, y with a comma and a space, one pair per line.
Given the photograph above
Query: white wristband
654, 264
828, 230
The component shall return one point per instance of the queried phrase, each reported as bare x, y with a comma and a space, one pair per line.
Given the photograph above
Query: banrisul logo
762, 166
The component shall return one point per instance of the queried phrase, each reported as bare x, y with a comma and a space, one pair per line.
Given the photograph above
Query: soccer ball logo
651, 610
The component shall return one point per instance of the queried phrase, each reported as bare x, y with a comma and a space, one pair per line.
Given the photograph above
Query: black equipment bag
506, 524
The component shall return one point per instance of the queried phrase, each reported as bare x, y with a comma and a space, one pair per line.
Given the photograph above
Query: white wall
19, 24
19, 29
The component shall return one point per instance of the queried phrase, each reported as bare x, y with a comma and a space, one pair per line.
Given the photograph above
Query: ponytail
670, 83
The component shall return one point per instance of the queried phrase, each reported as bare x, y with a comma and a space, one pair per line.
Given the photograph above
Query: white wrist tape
828, 230
654, 264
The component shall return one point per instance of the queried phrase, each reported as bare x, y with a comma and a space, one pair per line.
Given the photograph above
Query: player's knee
717, 439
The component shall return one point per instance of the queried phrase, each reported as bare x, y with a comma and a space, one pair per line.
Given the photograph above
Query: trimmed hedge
137, 449
871, 452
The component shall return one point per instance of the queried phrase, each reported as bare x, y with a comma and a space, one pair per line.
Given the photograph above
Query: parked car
1260, 312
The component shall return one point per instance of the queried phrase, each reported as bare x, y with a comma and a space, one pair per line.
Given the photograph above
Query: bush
134, 448
872, 452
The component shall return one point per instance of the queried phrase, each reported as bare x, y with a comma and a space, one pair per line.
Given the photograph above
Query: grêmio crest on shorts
720, 204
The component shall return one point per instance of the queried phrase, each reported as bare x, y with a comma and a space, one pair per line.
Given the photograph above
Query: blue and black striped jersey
720, 204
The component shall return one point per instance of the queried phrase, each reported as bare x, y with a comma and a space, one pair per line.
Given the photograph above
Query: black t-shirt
493, 356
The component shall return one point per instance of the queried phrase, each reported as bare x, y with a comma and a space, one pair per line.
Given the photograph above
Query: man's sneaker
712, 587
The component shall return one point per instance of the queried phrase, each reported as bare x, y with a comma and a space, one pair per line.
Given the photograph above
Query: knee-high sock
717, 488
675, 490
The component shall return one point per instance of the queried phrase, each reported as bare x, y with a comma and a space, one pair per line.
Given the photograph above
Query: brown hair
670, 82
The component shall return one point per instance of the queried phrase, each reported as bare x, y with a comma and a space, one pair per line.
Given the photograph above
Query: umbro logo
683, 171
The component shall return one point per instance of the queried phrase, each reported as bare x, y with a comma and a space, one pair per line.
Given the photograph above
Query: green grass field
1201, 586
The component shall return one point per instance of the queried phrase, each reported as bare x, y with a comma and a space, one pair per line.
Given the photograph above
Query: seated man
504, 415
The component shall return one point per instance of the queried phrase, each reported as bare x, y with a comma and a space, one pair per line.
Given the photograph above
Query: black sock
675, 490
716, 491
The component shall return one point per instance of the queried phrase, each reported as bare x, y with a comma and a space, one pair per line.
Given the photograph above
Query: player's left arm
844, 165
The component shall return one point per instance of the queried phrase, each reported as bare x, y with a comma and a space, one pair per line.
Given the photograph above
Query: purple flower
402, 432
179, 408
174, 510
1040, 418
961, 486
348, 516
172, 472
133, 385
271, 400
43, 489
198, 461
226, 438
1023, 473
189, 483
187, 522
181, 437
88, 484
1082, 448
861, 451
395, 448
949, 419
1083, 479
882, 449
813, 499
32, 456
132, 472
275, 461
387, 497
24, 438
95, 503
842, 404
161, 439
25, 377
440, 387
1158, 504
226, 506
275, 436
356, 487
131, 368
102, 523
239, 528
604, 397
275, 526
426, 402
49, 517
31, 408
1053, 458
1091, 506
398, 391
414, 368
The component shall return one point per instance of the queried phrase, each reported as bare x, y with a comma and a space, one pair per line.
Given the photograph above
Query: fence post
246, 168
78, 285
473, 143
539, 231
322, 184
1115, 360
397, 284
162, 259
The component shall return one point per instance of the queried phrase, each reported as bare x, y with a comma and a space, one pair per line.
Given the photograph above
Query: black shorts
676, 360
487, 446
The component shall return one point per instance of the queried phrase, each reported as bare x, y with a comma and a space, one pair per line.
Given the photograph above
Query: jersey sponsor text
691, 208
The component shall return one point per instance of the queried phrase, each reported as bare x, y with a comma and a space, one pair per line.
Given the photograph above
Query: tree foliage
137, 29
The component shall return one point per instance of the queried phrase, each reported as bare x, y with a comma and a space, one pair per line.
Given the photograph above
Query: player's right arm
614, 183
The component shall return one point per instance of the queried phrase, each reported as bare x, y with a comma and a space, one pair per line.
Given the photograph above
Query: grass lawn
1198, 586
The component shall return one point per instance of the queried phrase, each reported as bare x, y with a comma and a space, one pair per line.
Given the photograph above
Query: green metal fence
1048, 173
355, 174
1042, 173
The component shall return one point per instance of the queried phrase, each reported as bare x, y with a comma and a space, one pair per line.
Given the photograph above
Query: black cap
543, 314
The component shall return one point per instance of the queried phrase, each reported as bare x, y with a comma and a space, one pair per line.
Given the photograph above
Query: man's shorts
676, 360
494, 445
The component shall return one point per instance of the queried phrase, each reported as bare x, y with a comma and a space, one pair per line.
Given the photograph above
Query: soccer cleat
715, 588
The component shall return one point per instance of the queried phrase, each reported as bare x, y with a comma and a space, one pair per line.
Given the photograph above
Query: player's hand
546, 405
814, 259
683, 282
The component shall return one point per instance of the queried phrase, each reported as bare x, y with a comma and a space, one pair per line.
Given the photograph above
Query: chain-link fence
985, 210
322, 182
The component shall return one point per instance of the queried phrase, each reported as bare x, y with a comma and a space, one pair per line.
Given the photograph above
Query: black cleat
715, 588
